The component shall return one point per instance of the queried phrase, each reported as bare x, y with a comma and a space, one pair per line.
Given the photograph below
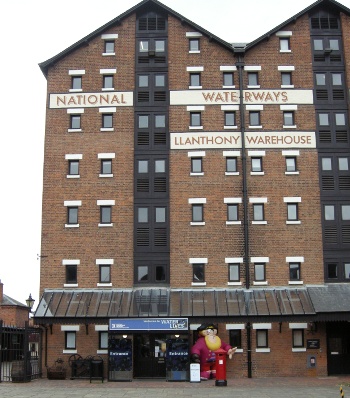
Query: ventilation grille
142, 237
346, 234
330, 234
160, 184
325, 137
143, 138
160, 237
324, 23
152, 24
344, 183
142, 185
327, 183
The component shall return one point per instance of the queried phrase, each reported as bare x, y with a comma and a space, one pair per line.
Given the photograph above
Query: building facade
190, 180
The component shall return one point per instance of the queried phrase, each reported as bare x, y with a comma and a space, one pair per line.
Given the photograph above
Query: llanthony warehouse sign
297, 139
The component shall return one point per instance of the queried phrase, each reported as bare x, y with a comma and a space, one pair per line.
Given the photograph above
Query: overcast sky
33, 31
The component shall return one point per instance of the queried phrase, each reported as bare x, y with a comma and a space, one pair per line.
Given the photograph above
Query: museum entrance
149, 355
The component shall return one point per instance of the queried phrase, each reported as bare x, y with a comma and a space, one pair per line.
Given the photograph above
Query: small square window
159, 80
298, 338
291, 164
160, 214
258, 212
294, 271
230, 118
345, 212
143, 80
195, 79
292, 211
254, 118
232, 212
105, 273
197, 213
235, 338
143, 46
76, 83
108, 81
75, 122
334, 44
288, 118
159, 121
318, 44
262, 338
142, 166
198, 273
323, 119
72, 215
142, 273
347, 270
253, 79
231, 165
143, 121
234, 272
259, 272
343, 164
320, 79
103, 340
159, 166
71, 274
332, 271
257, 164
109, 47
106, 166
329, 212
70, 340
159, 46
337, 79
284, 44
340, 119
142, 215
73, 167
286, 78
196, 165
105, 214
195, 119
228, 78
194, 45
326, 164
107, 120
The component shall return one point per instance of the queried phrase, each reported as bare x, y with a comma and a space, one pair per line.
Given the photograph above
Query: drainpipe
240, 66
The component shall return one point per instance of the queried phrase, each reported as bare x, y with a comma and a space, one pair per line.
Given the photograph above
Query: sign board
149, 324
313, 344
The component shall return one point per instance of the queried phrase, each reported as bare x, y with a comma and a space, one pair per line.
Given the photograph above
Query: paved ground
328, 387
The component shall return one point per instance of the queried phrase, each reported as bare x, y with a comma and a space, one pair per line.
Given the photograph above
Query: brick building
191, 180
12, 312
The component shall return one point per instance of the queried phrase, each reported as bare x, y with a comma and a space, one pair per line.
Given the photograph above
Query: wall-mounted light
125, 336
30, 302
177, 336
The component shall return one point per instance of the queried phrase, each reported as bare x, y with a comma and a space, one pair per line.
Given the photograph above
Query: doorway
149, 355
338, 348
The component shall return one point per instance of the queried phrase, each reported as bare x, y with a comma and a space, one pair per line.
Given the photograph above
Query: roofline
294, 18
46, 64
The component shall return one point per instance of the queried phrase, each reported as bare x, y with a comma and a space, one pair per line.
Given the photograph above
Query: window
72, 215
76, 83
73, 167
230, 118
286, 78
292, 211
291, 164
75, 122
347, 270
195, 119
109, 47
329, 212
257, 164
108, 82
106, 166
195, 79
198, 272
284, 44
71, 274
258, 212
103, 340
259, 272
232, 212
228, 79
235, 338
105, 214
231, 164
197, 213
332, 271
253, 79
294, 272
196, 165
70, 340
262, 338
159, 46
107, 120
105, 273
298, 338
254, 118
288, 119
234, 272
194, 45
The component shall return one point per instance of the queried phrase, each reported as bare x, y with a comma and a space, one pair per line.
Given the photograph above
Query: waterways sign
148, 324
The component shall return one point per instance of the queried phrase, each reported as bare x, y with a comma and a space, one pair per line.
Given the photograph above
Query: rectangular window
75, 121
71, 274
234, 272
254, 118
258, 212
291, 163
257, 164
332, 270
73, 167
197, 213
72, 215
198, 272
108, 81
232, 212
195, 119
262, 338
194, 45
228, 79
288, 118
107, 120
230, 118
231, 165
253, 79
235, 338
109, 47
284, 44
196, 165
195, 79
292, 211
259, 272
294, 272
298, 338
76, 83
347, 270
106, 166
105, 214
70, 340
286, 78
103, 340
105, 273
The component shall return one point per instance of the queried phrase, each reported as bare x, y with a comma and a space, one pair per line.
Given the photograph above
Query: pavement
305, 387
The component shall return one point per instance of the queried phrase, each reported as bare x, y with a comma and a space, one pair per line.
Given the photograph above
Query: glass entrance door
149, 355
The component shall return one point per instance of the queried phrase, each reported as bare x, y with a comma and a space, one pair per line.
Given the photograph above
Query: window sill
257, 173
71, 225
233, 222
70, 285
285, 51
75, 90
290, 127
230, 127
69, 351
107, 54
105, 175
104, 284
239, 351
194, 52
228, 86
196, 174
299, 349
255, 127
73, 176
197, 223
259, 222
253, 86
105, 225
195, 87
98, 352
199, 284
293, 222
287, 85
108, 89
262, 350
291, 173
234, 283
295, 283
106, 129
75, 130
265, 283
195, 127
231, 173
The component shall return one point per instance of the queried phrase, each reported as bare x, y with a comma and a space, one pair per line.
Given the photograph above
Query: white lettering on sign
90, 100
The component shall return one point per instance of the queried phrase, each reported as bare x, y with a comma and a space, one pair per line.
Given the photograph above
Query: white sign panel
91, 100
229, 97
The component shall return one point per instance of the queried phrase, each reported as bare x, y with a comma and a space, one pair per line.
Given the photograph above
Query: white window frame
294, 199
73, 156
198, 260
104, 261
109, 37
288, 153
194, 201
105, 203
72, 203
106, 156
231, 154
234, 260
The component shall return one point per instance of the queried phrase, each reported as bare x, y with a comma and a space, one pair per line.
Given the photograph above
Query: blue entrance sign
149, 324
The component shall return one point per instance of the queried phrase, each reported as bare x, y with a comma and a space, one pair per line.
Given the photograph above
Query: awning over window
92, 306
